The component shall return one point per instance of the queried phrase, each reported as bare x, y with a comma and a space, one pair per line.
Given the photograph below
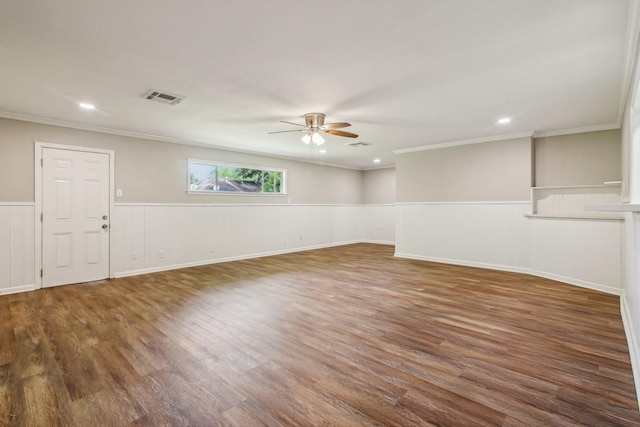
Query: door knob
105, 226
104, 217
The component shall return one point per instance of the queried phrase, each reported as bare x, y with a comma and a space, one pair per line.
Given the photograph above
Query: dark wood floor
347, 336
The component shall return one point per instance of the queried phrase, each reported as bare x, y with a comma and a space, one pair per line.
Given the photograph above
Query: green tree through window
212, 177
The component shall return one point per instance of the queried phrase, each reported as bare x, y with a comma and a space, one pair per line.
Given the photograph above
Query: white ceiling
404, 73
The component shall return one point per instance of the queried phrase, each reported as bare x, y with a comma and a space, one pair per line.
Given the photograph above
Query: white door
75, 221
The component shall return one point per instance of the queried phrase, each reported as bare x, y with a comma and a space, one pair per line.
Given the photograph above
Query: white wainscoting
154, 237
17, 247
378, 224
150, 237
583, 252
485, 234
630, 298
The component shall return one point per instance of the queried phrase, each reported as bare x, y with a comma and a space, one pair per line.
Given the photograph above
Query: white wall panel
492, 235
129, 232
378, 223
630, 301
583, 252
170, 236
587, 253
17, 250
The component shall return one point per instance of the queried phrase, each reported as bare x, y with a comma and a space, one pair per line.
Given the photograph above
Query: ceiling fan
314, 125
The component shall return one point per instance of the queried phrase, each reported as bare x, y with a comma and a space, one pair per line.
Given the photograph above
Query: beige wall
578, 159
379, 186
156, 172
490, 171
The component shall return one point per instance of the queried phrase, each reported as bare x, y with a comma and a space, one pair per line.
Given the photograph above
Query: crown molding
377, 168
528, 134
130, 134
496, 138
90, 128
585, 129
151, 137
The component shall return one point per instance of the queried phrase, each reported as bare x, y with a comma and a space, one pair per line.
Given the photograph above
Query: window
211, 177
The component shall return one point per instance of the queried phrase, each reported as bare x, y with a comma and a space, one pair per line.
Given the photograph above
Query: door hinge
41, 217
41, 162
41, 273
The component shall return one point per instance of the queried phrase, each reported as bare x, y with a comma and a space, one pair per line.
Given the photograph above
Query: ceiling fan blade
291, 123
341, 133
336, 125
283, 131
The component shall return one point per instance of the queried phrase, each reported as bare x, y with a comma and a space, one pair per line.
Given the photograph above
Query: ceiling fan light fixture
317, 139
314, 126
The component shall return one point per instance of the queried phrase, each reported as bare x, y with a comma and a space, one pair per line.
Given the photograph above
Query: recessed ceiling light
376, 160
322, 151
86, 106
504, 120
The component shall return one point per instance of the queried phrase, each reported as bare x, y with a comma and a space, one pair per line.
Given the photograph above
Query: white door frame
37, 161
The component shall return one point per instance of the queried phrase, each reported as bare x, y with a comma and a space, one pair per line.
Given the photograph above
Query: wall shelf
586, 216
569, 201
579, 187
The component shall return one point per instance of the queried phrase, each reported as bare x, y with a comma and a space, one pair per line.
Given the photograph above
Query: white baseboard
577, 282
500, 267
228, 259
569, 280
378, 242
17, 289
631, 343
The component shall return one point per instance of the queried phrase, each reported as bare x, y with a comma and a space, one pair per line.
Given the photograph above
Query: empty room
356, 213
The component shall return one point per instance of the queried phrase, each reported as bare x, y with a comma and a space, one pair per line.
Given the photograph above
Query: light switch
119, 192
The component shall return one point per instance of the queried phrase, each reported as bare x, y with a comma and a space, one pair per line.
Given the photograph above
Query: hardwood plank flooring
345, 336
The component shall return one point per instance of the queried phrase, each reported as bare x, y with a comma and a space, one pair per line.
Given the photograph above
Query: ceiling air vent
359, 144
163, 97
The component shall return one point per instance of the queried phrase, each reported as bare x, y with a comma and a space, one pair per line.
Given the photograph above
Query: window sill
234, 193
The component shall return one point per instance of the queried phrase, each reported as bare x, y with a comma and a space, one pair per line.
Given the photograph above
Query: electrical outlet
212, 248
301, 237
134, 255
161, 254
